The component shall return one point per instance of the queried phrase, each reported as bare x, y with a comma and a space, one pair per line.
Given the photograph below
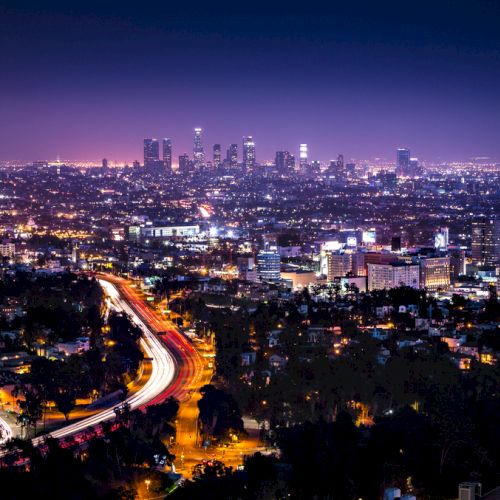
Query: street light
148, 482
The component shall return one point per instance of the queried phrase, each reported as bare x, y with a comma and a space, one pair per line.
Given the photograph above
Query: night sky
86, 80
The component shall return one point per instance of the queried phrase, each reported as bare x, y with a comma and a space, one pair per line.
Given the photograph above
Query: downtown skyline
362, 80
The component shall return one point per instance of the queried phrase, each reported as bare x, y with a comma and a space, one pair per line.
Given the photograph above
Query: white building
386, 276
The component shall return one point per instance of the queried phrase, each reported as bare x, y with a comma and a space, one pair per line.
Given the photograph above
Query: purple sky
91, 81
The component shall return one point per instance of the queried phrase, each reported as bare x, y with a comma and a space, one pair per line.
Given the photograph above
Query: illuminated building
151, 153
414, 167
299, 279
457, 264
167, 154
303, 157
7, 249
184, 163
435, 273
339, 264
485, 241
248, 152
217, 157
268, 266
387, 276
284, 161
198, 151
169, 231
232, 155
402, 162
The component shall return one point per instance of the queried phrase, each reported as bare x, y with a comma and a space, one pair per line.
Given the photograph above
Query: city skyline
360, 80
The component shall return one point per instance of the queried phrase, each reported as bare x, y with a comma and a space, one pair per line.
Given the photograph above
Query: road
163, 366
177, 369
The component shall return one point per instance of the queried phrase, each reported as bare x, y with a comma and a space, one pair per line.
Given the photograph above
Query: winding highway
175, 364
163, 372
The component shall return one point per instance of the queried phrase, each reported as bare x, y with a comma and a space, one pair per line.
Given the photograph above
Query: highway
163, 372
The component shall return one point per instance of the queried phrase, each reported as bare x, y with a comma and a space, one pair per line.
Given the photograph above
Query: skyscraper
303, 157
284, 161
167, 154
248, 152
486, 240
217, 155
198, 151
268, 266
151, 153
184, 163
232, 155
402, 162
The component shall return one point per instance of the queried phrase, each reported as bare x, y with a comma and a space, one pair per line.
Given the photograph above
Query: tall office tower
167, 154
184, 163
268, 266
414, 167
217, 155
151, 153
284, 161
402, 162
435, 273
486, 240
248, 152
315, 166
441, 237
340, 173
340, 162
198, 151
232, 155
104, 163
457, 264
303, 157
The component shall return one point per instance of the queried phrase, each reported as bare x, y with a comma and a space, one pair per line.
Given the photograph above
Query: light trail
162, 373
5, 431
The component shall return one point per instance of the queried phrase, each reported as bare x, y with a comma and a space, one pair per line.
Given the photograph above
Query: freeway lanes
189, 363
163, 369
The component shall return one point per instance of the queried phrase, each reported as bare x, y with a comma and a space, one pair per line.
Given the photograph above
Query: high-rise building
435, 273
340, 162
284, 161
104, 163
217, 155
167, 154
402, 162
303, 157
184, 164
198, 151
414, 167
457, 264
387, 276
339, 264
232, 155
151, 153
268, 265
248, 152
486, 240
